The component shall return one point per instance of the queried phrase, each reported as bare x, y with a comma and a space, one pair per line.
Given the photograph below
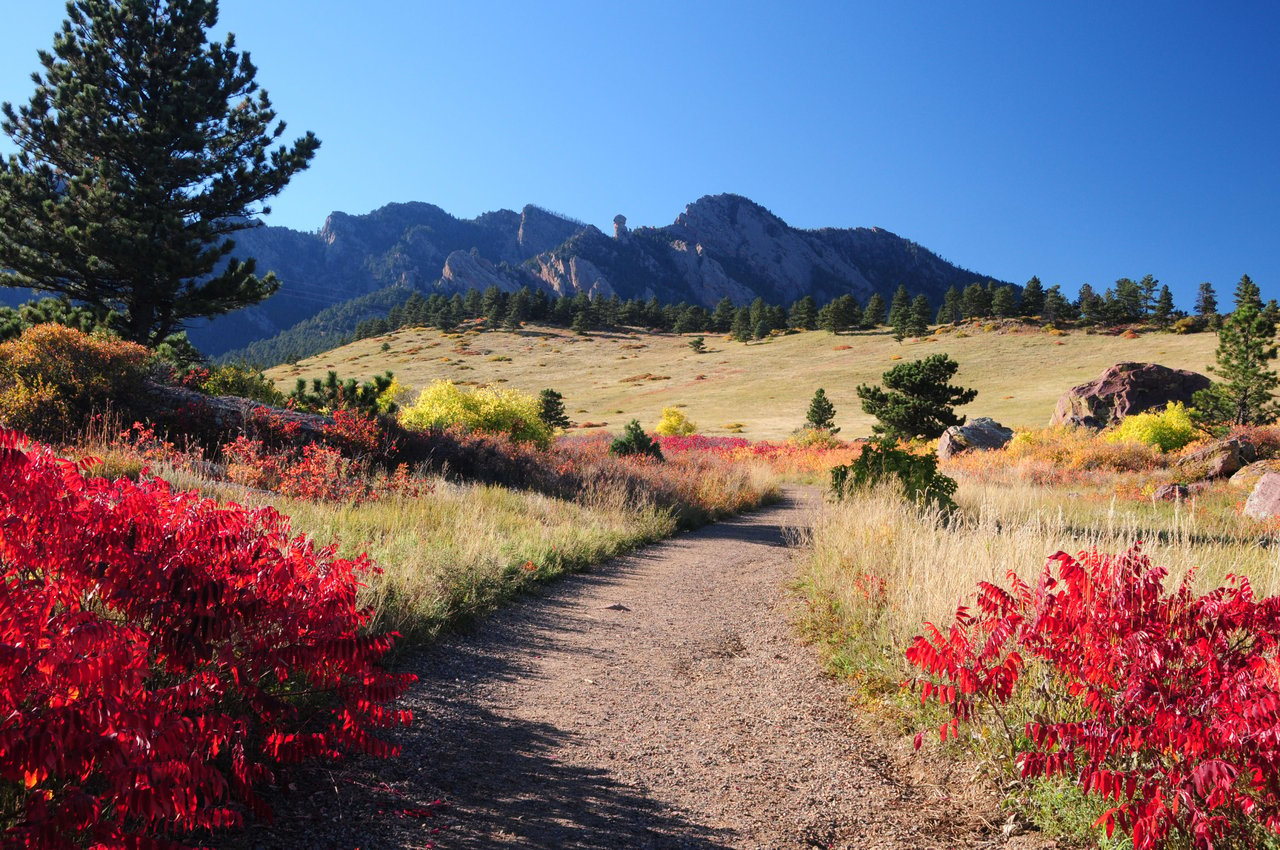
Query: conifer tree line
1128, 302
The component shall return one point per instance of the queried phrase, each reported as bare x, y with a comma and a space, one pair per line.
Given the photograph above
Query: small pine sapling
822, 413
634, 441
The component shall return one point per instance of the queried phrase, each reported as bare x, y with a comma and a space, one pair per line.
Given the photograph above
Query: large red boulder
1123, 390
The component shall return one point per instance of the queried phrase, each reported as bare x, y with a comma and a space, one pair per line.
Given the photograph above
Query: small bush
52, 377
238, 381
634, 441
674, 423
882, 461
495, 411
1168, 430
815, 438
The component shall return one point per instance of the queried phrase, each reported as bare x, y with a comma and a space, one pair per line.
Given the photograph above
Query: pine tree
1004, 302
976, 301
920, 310
916, 400
551, 409
804, 314
822, 413
900, 310
142, 150
1246, 344
741, 329
1206, 301
950, 312
873, 314
722, 317
1162, 312
1033, 298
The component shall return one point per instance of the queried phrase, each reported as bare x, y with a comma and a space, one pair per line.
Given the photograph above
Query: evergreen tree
551, 409
950, 312
920, 312
804, 314
873, 314
1057, 308
741, 329
976, 301
822, 413
1162, 311
916, 400
1004, 302
1091, 306
142, 150
1149, 287
1246, 345
1206, 301
722, 317
1033, 297
1126, 304
900, 310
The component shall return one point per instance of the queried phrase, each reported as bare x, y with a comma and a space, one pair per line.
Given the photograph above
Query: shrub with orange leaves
52, 377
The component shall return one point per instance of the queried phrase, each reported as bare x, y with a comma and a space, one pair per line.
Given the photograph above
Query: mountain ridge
720, 246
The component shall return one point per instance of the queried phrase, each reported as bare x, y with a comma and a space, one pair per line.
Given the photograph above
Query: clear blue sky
1080, 141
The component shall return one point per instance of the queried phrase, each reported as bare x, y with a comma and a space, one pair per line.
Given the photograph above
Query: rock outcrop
981, 434
1219, 459
1123, 390
465, 270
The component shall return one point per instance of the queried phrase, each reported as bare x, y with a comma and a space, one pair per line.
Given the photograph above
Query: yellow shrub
495, 411
1168, 430
52, 377
393, 396
674, 423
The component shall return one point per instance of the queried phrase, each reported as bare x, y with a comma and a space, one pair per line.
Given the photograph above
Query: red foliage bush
161, 654
1173, 699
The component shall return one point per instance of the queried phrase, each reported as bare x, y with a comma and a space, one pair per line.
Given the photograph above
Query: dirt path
660, 701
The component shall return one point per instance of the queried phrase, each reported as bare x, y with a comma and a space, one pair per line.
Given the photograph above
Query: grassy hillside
765, 386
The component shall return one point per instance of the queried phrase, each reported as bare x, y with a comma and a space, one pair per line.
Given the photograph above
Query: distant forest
400, 306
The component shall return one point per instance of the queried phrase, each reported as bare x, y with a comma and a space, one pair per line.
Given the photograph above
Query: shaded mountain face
720, 246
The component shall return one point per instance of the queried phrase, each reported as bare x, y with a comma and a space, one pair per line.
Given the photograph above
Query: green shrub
1168, 430
493, 411
244, 382
634, 441
371, 397
674, 423
882, 461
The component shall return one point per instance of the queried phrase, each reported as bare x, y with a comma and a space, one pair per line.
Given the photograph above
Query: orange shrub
52, 377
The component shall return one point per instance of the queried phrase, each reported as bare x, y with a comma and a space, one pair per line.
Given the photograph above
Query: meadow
759, 390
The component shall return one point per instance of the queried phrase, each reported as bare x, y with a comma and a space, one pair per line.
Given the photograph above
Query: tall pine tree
1246, 347
143, 149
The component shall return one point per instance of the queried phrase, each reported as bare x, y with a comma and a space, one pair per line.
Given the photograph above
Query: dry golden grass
763, 387
879, 567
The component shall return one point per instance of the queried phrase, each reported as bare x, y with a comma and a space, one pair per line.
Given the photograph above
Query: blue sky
1080, 142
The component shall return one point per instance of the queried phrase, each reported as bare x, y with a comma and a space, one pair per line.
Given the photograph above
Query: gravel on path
661, 700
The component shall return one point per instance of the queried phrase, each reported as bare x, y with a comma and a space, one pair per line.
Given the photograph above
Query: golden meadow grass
759, 390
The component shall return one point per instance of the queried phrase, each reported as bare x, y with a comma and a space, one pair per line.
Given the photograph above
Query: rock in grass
981, 434
1123, 390
1264, 501
1219, 459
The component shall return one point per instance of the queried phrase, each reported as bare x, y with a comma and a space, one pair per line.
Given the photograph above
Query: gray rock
1219, 459
981, 434
1264, 501
1123, 390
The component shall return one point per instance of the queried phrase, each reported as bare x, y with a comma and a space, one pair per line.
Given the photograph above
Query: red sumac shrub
1174, 697
160, 653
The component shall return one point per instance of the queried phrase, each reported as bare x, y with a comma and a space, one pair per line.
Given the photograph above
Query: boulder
1264, 501
981, 434
1247, 476
1171, 492
1219, 459
1123, 390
